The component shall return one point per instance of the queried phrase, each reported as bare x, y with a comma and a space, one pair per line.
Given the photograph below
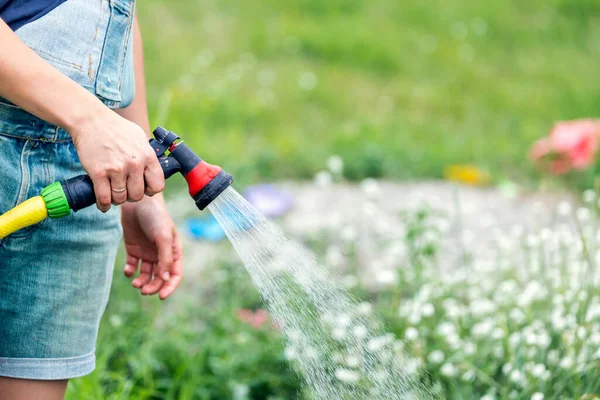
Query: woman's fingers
118, 188
135, 187
169, 287
155, 178
164, 246
154, 286
103, 192
145, 275
176, 269
162, 270
131, 266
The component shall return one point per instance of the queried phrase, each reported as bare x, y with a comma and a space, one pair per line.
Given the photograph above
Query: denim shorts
55, 276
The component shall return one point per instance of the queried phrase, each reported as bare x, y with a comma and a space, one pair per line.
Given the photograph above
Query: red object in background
256, 319
570, 145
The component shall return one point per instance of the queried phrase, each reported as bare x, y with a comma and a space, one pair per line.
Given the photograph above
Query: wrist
132, 206
86, 116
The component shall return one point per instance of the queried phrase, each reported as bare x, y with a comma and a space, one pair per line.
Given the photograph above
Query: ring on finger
119, 190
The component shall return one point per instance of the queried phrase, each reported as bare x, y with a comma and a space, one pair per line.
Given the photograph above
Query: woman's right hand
116, 155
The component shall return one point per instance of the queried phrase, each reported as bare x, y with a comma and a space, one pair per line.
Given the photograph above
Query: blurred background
402, 91
398, 89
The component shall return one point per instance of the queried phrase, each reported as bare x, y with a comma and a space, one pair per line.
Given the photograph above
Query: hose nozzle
205, 181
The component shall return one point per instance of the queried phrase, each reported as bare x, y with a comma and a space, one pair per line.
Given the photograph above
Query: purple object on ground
269, 200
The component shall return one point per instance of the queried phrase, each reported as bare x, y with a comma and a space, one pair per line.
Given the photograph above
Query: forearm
34, 85
137, 111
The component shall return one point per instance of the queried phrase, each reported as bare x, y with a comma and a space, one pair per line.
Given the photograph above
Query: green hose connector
56, 200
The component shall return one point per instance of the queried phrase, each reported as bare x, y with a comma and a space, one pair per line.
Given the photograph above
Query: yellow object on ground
28, 213
467, 174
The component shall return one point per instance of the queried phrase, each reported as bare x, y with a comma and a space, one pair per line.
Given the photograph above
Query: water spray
205, 182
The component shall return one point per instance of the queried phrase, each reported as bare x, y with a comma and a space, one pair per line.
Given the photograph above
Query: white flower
553, 356
446, 328
468, 376
589, 196
346, 375
507, 368
537, 396
538, 370
335, 164
543, 340
377, 343
427, 310
349, 233
498, 333
370, 186
488, 397
449, 370
323, 179
352, 361
514, 339
483, 328
290, 353
339, 333
436, 356
453, 341
411, 333
583, 214
343, 320
470, 348
365, 308
359, 331
517, 315
240, 391
564, 208
387, 277
567, 362
516, 376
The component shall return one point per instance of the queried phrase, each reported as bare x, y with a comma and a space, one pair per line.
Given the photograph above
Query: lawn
269, 89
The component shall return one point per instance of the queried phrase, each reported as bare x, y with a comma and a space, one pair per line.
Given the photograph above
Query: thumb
164, 246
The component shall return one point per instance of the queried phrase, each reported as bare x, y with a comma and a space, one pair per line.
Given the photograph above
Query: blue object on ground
269, 200
205, 228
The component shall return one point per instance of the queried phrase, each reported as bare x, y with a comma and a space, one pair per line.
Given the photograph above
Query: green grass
403, 88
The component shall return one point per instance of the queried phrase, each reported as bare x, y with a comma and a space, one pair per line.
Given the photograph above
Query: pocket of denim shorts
12, 187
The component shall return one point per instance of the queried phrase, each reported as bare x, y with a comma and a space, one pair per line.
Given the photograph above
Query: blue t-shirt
17, 13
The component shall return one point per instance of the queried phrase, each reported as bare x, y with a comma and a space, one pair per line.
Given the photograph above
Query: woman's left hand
153, 245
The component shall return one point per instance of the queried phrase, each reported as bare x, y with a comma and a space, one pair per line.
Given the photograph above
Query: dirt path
370, 213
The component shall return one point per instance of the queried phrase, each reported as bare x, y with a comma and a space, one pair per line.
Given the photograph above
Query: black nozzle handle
169, 165
79, 190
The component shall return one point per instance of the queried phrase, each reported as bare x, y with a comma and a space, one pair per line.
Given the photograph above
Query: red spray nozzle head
205, 181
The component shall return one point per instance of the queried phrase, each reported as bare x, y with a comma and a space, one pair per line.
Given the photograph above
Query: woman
73, 99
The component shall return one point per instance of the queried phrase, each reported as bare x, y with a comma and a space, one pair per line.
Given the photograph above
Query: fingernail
166, 276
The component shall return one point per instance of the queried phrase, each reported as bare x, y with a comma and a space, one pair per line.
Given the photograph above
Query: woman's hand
152, 243
116, 155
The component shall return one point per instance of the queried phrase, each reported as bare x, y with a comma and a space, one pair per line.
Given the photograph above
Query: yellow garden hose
27, 213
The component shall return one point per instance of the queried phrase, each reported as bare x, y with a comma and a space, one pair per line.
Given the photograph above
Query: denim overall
55, 276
